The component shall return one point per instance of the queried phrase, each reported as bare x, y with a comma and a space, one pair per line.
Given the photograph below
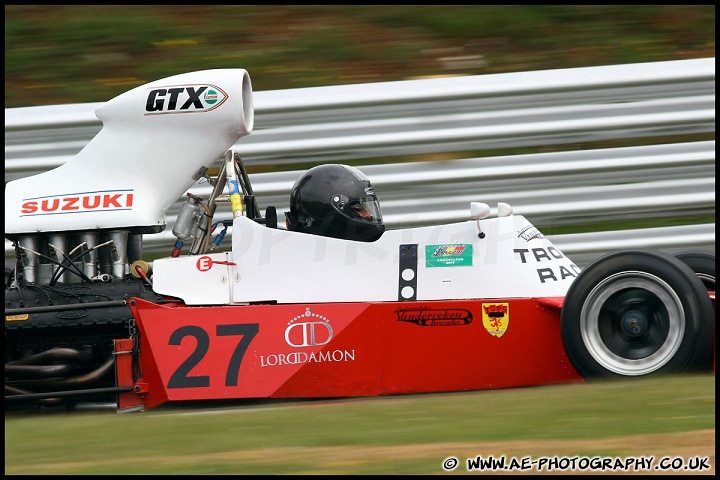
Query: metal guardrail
583, 248
387, 119
359, 123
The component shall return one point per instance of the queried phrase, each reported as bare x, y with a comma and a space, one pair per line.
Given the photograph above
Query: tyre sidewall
696, 344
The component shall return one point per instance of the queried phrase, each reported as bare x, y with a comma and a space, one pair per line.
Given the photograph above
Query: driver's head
336, 201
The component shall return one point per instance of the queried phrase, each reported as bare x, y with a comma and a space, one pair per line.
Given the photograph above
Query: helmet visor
366, 209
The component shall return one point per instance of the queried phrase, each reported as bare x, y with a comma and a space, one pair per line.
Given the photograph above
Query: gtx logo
184, 99
103, 201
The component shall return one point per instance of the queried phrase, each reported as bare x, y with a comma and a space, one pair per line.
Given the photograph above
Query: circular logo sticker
211, 97
204, 264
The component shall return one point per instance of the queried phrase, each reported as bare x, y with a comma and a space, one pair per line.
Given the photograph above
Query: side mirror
504, 210
478, 210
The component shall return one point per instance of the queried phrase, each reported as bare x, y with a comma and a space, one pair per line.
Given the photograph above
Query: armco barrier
461, 117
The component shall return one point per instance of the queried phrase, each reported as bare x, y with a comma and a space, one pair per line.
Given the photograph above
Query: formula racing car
280, 311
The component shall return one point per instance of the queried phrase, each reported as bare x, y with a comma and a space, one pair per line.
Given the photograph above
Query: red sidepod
346, 349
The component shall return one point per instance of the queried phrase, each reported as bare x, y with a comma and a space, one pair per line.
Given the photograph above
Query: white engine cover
154, 140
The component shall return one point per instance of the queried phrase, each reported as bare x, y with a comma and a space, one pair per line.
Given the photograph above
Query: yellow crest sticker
496, 317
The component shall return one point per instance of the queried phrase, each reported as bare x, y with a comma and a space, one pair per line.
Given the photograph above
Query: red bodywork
342, 349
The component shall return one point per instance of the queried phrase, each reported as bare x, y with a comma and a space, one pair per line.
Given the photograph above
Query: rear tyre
636, 313
701, 262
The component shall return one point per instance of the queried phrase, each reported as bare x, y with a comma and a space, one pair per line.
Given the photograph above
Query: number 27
180, 378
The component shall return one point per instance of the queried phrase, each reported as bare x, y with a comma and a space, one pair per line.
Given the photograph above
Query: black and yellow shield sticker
496, 317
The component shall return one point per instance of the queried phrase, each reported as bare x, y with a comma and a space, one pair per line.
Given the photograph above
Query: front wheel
637, 313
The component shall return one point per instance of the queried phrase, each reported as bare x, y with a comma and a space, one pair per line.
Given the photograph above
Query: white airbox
154, 141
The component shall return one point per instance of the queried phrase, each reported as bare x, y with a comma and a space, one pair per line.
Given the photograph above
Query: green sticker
448, 255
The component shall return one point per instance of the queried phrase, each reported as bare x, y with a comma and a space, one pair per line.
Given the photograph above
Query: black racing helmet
335, 201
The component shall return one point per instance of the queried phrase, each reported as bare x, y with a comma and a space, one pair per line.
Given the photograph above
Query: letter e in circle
204, 263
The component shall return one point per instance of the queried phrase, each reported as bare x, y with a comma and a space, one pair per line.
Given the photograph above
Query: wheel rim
708, 280
632, 323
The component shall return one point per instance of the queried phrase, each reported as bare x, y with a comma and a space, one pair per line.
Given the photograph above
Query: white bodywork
154, 140
158, 139
512, 260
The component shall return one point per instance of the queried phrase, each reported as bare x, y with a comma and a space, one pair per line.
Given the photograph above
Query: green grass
56, 54
288, 437
626, 224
